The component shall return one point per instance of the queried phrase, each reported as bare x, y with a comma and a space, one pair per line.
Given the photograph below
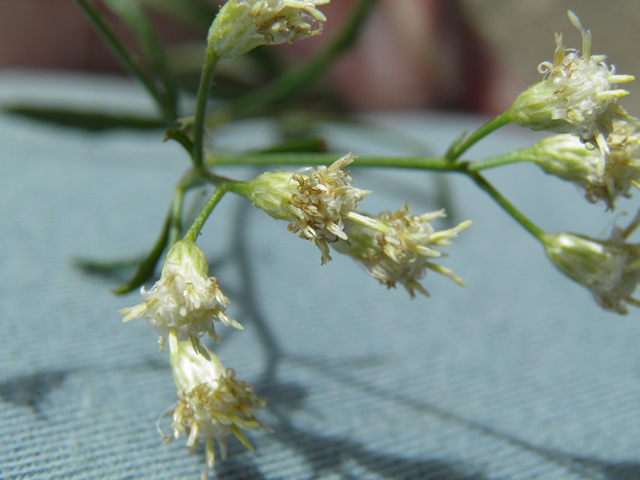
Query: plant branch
516, 214
208, 70
457, 149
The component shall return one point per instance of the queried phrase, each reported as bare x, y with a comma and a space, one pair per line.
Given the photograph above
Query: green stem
493, 162
293, 80
208, 207
516, 214
455, 151
208, 69
124, 57
176, 216
312, 159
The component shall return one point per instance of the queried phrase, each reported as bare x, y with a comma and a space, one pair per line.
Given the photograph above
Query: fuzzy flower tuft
566, 157
398, 247
610, 269
318, 203
577, 96
212, 403
242, 25
185, 301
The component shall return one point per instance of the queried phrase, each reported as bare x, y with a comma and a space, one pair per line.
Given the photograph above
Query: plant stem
455, 151
511, 157
176, 216
518, 216
208, 69
312, 159
208, 207
124, 57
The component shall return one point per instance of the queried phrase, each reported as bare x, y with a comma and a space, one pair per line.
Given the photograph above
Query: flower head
577, 96
212, 403
242, 25
319, 203
398, 247
565, 156
610, 269
185, 301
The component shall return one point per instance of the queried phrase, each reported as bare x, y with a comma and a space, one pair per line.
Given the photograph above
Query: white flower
397, 248
577, 96
211, 403
242, 25
319, 203
610, 269
185, 301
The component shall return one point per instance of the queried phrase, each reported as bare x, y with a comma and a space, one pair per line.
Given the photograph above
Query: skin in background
413, 53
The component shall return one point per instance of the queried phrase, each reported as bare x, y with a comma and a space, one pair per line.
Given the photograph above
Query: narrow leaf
84, 119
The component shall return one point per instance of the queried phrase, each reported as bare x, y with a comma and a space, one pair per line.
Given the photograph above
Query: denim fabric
517, 376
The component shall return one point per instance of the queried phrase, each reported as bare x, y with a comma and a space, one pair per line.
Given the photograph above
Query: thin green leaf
309, 144
121, 52
84, 119
192, 13
135, 17
148, 265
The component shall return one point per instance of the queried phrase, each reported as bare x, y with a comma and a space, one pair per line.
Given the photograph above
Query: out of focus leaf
85, 119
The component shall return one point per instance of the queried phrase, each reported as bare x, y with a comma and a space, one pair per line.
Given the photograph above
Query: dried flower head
212, 403
397, 247
318, 203
577, 96
185, 301
242, 25
610, 269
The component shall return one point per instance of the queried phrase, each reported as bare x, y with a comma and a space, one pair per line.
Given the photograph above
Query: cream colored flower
565, 156
398, 247
318, 203
212, 403
185, 301
610, 269
577, 96
242, 25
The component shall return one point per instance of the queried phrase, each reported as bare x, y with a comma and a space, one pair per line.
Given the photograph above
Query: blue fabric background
518, 376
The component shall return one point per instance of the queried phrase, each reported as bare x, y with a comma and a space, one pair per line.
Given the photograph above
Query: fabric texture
517, 376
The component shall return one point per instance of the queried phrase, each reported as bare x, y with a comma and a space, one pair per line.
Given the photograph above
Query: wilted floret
398, 247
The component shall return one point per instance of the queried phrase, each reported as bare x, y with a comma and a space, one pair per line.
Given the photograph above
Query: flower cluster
242, 25
185, 301
610, 269
318, 203
398, 247
212, 403
566, 157
577, 96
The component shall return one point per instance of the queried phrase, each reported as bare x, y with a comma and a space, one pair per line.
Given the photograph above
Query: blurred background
465, 55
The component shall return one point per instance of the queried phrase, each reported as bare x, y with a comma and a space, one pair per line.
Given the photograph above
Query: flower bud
318, 203
610, 269
242, 25
566, 157
211, 403
185, 301
576, 96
